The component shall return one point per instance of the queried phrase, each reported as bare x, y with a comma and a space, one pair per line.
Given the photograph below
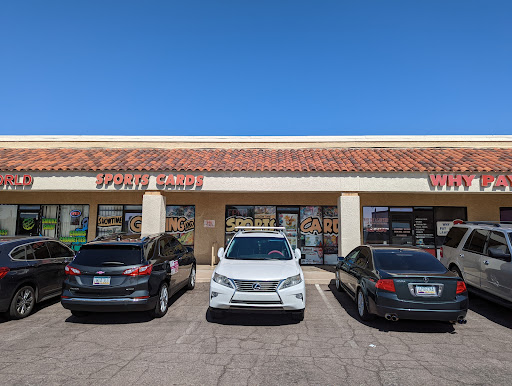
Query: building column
153, 213
349, 228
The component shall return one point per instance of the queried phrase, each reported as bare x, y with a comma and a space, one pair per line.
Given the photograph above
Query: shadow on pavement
38, 307
120, 317
494, 312
252, 318
384, 325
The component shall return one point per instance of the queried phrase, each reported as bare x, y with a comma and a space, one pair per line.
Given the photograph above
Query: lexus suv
31, 270
480, 253
258, 270
127, 272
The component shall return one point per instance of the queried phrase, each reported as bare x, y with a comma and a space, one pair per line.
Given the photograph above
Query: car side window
454, 236
362, 258
149, 250
497, 246
476, 242
30, 252
351, 257
18, 253
164, 246
57, 250
40, 250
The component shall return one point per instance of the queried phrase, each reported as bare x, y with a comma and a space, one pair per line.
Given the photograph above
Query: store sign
16, 180
179, 224
110, 221
75, 213
209, 223
486, 180
162, 180
135, 224
234, 222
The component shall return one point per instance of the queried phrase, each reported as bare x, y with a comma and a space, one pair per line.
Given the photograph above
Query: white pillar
349, 228
153, 213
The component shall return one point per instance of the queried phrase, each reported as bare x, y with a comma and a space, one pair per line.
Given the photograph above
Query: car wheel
456, 271
298, 315
79, 314
215, 313
162, 304
338, 282
362, 309
192, 279
22, 303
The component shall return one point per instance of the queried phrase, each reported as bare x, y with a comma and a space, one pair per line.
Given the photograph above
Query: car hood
258, 269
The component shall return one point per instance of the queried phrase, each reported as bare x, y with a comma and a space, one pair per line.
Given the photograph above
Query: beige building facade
65, 187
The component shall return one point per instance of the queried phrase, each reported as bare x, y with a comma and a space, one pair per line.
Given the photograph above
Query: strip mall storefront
202, 192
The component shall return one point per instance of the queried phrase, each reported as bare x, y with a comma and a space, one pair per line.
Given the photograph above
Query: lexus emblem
425, 279
100, 272
256, 286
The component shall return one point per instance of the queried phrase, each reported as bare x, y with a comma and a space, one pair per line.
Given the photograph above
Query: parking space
331, 346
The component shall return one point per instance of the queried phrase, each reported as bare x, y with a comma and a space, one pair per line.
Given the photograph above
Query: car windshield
259, 248
407, 261
108, 255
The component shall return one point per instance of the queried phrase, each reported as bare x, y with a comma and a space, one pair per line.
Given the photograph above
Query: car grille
263, 302
248, 286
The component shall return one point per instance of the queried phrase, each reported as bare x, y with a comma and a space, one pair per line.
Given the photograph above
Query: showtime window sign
162, 180
485, 180
16, 180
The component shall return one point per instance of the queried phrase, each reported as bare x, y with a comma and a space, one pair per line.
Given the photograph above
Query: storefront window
68, 223
312, 229
505, 214
119, 218
180, 221
424, 227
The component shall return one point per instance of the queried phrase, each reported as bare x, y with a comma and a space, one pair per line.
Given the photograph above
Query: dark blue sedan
401, 282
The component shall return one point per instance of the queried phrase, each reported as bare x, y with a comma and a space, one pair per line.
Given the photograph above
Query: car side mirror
190, 249
498, 253
297, 254
220, 253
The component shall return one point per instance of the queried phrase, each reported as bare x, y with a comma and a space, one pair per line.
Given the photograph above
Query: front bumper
288, 299
108, 304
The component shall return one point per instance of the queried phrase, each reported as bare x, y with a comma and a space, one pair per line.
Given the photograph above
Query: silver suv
480, 254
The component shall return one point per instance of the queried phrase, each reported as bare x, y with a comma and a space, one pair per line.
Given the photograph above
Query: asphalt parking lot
329, 347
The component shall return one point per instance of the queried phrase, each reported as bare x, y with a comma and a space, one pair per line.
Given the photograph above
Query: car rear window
454, 236
407, 261
108, 255
259, 248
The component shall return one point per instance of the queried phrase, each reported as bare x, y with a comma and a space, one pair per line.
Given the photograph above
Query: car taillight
3, 271
137, 271
386, 285
461, 287
441, 252
72, 271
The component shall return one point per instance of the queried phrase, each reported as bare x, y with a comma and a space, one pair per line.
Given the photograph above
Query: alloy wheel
360, 303
164, 298
24, 301
193, 277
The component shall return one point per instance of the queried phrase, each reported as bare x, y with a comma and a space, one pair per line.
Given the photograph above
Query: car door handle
486, 262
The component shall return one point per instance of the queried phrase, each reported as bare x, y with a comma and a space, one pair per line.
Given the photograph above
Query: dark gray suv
128, 273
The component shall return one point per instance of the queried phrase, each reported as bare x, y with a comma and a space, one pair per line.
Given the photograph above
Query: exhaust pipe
461, 320
391, 317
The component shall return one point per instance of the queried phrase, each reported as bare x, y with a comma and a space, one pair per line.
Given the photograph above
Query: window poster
265, 216
330, 228
312, 255
290, 221
8, 215
311, 225
110, 219
180, 221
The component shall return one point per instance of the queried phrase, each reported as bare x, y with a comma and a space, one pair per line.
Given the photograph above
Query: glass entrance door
28, 223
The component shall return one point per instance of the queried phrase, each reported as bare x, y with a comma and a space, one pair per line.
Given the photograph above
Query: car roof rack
498, 224
247, 229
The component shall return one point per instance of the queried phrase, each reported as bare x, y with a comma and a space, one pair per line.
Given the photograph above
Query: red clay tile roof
294, 160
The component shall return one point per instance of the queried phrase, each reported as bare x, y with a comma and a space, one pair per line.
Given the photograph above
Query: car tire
79, 314
162, 304
362, 308
298, 315
456, 271
192, 278
22, 303
215, 313
339, 287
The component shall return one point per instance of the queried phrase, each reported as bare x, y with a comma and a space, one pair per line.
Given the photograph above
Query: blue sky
241, 67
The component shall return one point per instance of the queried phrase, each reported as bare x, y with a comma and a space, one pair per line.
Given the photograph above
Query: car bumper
108, 304
288, 299
443, 311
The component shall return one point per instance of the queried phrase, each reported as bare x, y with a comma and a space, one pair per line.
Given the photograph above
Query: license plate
425, 290
101, 280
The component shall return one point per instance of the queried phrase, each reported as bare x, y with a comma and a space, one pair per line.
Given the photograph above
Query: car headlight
291, 281
222, 280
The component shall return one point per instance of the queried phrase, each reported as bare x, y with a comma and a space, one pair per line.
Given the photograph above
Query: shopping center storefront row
330, 196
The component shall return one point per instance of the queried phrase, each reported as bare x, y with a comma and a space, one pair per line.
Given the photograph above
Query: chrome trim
264, 285
42, 240
103, 300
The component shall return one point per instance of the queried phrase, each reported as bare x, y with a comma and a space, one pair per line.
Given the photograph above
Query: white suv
258, 270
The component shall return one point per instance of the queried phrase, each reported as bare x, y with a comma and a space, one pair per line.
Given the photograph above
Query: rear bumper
422, 314
108, 304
